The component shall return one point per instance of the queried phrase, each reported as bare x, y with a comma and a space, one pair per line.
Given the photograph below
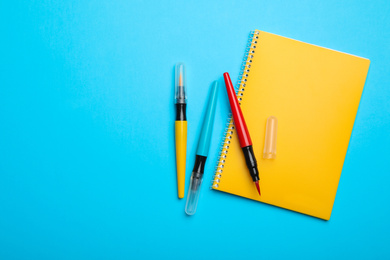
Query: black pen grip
251, 162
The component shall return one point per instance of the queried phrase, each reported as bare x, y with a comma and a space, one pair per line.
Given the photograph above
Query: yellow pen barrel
181, 152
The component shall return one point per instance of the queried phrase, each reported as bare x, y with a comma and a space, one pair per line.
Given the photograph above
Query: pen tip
180, 80
258, 187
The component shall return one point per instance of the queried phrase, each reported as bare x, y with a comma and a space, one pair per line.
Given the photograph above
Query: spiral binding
240, 88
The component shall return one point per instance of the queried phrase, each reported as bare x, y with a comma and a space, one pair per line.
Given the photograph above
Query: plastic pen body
201, 153
180, 128
195, 182
242, 132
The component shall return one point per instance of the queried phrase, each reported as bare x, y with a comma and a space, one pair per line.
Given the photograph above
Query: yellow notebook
314, 92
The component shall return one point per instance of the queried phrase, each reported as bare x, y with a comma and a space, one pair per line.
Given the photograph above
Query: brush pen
242, 131
180, 127
202, 152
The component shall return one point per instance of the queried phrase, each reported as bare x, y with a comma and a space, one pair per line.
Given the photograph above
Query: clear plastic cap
193, 195
270, 138
180, 84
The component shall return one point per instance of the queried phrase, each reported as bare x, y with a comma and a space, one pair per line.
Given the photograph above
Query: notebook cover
314, 92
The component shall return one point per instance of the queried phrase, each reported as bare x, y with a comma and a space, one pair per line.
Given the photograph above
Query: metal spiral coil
240, 89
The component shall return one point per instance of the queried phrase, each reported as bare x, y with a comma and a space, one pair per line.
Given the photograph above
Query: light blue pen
202, 152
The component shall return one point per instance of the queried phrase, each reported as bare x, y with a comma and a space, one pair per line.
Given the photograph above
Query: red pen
242, 131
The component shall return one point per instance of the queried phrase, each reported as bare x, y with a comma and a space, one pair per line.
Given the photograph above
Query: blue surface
87, 121
208, 122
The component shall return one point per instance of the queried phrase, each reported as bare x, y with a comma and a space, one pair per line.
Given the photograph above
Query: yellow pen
180, 127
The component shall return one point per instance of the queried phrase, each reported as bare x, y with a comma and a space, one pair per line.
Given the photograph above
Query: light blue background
87, 159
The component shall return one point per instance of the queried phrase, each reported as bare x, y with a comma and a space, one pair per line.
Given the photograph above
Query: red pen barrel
239, 121
242, 132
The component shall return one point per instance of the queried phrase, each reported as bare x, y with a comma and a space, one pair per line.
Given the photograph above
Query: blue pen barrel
202, 152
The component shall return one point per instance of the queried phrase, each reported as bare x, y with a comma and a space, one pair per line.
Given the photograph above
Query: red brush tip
258, 187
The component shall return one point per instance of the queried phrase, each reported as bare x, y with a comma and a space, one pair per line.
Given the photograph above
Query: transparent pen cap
193, 195
180, 84
270, 138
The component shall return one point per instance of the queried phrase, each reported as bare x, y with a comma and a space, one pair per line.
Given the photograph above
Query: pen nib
258, 187
180, 80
